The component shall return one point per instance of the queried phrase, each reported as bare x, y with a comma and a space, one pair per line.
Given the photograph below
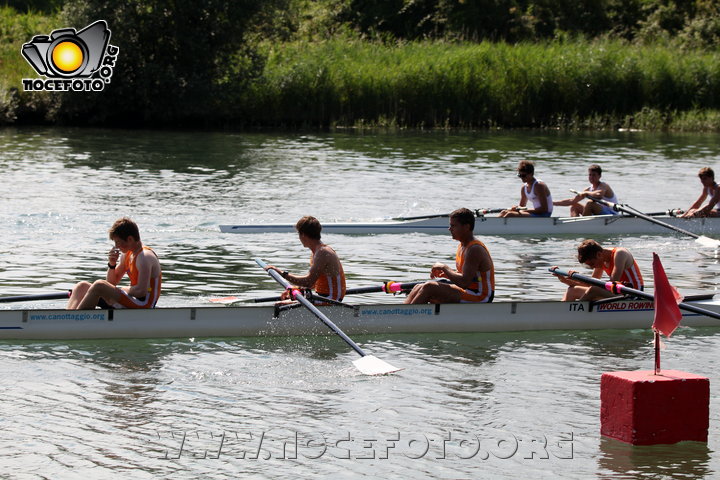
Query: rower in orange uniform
473, 279
131, 257
618, 263
326, 276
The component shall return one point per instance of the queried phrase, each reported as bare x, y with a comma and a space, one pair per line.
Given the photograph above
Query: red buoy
642, 408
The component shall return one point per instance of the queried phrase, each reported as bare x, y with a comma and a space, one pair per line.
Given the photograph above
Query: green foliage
29, 6
436, 84
504, 20
16, 29
402, 63
174, 61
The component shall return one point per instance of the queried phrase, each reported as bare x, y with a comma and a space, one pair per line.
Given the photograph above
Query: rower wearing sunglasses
534, 190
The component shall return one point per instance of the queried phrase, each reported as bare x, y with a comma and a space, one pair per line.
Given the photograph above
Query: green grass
570, 85
16, 29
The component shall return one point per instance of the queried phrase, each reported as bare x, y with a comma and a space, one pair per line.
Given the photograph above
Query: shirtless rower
710, 191
617, 262
534, 190
473, 279
598, 190
128, 256
326, 275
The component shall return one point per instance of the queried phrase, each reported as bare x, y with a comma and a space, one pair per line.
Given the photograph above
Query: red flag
667, 313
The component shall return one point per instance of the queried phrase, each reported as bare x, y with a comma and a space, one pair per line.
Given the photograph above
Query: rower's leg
596, 293
434, 292
78, 293
592, 208
576, 209
100, 289
574, 293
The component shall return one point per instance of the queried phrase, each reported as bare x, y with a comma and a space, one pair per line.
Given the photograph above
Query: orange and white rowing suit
631, 277
330, 286
482, 288
153, 293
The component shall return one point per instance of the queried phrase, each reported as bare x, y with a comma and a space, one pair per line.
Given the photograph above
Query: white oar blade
707, 241
371, 365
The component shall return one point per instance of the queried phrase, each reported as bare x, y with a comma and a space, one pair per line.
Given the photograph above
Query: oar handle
387, 287
619, 288
479, 212
42, 296
297, 295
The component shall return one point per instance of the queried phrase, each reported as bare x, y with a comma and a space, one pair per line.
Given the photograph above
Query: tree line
192, 63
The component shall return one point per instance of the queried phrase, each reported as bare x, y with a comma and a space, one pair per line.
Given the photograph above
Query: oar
478, 213
619, 288
42, 296
701, 239
367, 364
387, 287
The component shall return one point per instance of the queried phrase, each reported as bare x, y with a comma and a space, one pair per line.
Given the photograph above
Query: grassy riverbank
600, 84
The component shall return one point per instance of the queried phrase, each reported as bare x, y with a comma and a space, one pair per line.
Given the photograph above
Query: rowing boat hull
597, 225
364, 319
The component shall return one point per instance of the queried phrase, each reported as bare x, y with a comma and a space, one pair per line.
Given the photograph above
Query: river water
295, 407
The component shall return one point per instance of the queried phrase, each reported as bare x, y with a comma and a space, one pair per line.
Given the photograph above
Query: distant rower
534, 190
710, 191
597, 190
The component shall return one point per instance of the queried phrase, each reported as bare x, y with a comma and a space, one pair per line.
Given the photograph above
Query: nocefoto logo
71, 61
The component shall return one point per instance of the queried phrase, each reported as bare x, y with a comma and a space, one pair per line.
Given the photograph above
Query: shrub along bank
351, 82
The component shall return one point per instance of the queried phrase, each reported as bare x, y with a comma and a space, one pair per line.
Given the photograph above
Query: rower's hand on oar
288, 295
283, 273
562, 278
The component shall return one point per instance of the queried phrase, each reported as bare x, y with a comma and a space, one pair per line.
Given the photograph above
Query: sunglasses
521, 174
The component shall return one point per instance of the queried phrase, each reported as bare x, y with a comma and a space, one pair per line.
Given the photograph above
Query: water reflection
681, 460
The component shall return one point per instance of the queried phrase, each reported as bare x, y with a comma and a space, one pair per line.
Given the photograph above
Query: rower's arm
598, 272
523, 198
604, 190
699, 201
623, 259
320, 261
568, 201
114, 275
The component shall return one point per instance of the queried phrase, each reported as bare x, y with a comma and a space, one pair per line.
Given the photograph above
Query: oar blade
371, 365
225, 300
708, 242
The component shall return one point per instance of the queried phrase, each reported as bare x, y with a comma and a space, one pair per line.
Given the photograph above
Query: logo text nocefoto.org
80, 61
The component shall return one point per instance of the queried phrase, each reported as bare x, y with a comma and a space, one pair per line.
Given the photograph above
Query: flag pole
657, 352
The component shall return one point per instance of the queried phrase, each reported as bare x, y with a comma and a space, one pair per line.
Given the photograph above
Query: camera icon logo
69, 54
